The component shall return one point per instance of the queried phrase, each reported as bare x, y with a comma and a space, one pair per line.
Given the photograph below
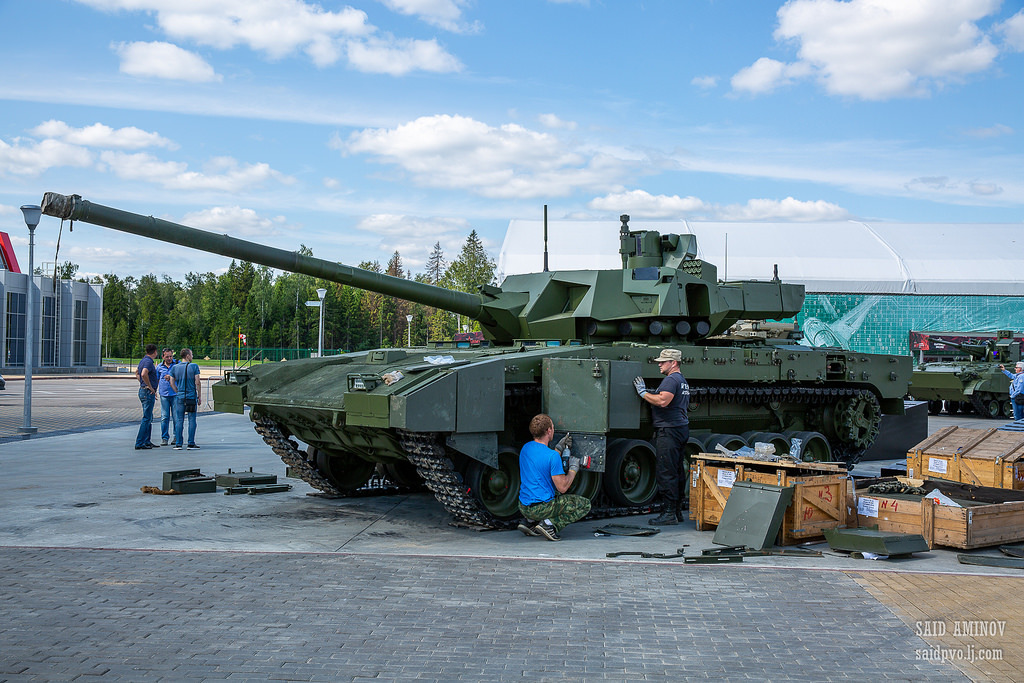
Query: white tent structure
835, 257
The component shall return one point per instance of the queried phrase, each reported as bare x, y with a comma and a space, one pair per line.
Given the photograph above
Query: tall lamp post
408, 329
321, 293
32, 214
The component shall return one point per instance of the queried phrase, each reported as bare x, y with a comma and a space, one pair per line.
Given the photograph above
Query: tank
973, 383
454, 414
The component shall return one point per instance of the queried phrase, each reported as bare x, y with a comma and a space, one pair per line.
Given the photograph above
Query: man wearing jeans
188, 399
147, 376
167, 392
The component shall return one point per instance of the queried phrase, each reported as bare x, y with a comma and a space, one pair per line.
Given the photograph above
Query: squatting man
543, 500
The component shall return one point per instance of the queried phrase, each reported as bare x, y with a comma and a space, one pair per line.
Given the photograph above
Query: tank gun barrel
75, 208
976, 351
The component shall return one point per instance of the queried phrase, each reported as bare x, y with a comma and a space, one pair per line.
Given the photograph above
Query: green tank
567, 343
971, 384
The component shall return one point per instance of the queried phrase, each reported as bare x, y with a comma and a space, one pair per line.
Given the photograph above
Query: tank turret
663, 294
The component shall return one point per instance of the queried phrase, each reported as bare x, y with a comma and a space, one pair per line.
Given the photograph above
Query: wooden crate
819, 496
989, 516
982, 457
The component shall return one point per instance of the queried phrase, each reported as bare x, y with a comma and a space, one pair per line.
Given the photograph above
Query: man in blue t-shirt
188, 398
669, 403
146, 374
167, 392
543, 483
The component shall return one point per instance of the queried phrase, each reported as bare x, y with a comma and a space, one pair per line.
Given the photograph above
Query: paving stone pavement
70, 614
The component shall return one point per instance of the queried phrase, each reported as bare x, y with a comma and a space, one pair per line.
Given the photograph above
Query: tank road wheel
1007, 406
586, 484
934, 407
497, 490
780, 441
952, 407
732, 442
987, 405
402, 474
630, 473
346, 471
814, 447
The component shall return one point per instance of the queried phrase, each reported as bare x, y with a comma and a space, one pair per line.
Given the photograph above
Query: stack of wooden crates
985, 471
819, 495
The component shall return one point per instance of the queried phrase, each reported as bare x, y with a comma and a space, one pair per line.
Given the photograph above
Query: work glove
563, 443
574, 463
641, 388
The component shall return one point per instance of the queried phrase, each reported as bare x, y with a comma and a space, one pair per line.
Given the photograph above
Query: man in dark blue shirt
669, 403
147, 376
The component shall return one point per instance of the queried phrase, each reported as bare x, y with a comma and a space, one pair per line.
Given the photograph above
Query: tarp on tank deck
841, 257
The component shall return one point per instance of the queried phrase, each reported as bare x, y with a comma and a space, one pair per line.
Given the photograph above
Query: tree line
208, 312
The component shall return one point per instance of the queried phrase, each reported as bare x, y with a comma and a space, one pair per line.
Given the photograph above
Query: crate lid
976, 444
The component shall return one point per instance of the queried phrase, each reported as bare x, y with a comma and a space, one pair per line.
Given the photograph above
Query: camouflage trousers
562, 510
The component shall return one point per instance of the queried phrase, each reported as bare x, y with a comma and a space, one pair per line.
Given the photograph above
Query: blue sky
358, 129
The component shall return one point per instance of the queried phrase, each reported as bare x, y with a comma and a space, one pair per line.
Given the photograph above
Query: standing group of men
178, 386
545, 479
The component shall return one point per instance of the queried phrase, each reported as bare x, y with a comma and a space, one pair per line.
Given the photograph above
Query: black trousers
670, 449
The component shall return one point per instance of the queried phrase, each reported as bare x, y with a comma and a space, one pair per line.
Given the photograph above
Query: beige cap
669, 354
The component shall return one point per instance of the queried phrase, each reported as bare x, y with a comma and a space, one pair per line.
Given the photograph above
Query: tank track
812, 396
289, 452
425, 450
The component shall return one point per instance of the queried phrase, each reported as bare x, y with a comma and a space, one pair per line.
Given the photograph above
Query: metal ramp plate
875, 541
753, 515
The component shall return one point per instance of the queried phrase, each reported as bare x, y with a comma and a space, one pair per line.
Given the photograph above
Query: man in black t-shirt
669, 403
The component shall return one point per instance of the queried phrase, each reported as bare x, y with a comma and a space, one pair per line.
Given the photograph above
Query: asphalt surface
101, 579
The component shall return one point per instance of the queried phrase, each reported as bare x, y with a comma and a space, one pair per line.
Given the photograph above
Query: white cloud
163, 60
788, 209
877, 49
234, 220
704, 82
99, 135
397, 57
446, 14
645, 205
985, 189
27, 158
552, 121
414, 237
222, 173
457, 152
279, 28
991, 131
765, 75
1013, 31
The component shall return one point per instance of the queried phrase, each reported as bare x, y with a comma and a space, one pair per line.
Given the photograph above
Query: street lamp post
32, 214
408, 329
321, 293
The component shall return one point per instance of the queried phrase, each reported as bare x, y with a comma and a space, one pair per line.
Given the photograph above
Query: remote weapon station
567, 343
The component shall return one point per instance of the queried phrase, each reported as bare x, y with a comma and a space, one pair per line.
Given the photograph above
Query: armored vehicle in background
972, 383
566, 343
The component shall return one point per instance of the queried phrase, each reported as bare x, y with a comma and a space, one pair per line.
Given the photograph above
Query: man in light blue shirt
188, 399
167, 391
1016, 389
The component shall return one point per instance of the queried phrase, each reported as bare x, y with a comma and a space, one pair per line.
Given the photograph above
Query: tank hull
459, 416
978, 387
